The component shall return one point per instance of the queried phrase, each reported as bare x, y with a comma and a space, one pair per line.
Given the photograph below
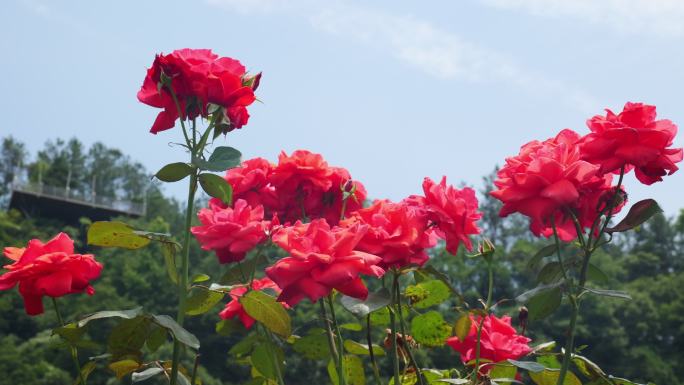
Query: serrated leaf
550, 377
115, 234
429, 329
442, 277
361, 308
156, 338
244, 346
639, 213
353, 347
264, 308
127, 314
262, 359
145, 374
313, 346
181, 335
222, 159
551, 272
226, 327
352, 369
544, 303
462, 326
173, 172
216, 187
129, 336
200, 300
427, 293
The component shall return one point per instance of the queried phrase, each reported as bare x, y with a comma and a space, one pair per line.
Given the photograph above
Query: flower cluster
566, 181
198, 78
48, 269
498, 342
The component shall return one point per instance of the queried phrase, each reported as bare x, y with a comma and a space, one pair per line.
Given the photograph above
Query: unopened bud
522, 318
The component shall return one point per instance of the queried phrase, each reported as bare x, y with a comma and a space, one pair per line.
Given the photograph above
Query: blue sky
393, 90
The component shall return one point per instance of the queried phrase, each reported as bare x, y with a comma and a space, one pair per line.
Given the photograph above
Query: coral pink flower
230, 232
198, 77
397, 232
321, 259
453, 211
498, 342
234, 308
48, 269
635, 139
548, 178
250, 182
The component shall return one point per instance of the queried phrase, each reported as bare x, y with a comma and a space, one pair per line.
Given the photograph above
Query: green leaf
588, 368
622, 381
354, 347
544, 303
197, 278
181, 335
501, 371
545, 251
226, 327
216, 187
442, 277
427, 293
222, 159
530, 366
129, 336
156, 338
145, 374
70, 332
462, 326
353, 326
115, 234
639, 213
550, 377
549, 361
352, 369
262, 360
373, 302
235, 274
264, 308
123, 367
86, 369
382, 316
455, 381
609, 293
169, 250
244, 346
126, 314
524, 297
174, 172
551, 272
429, 329
595, 274
200, 300
313, 346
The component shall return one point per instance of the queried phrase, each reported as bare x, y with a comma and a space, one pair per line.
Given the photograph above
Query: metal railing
74, 196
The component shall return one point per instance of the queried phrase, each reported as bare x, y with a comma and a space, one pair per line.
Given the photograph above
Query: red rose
50, 269
397, 232
198, 77
333, 199
498, 342
453, 211
234, 307
250, 182
547, 178
230, 232
321, 259
632, 138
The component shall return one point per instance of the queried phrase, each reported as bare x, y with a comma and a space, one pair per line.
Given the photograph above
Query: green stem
558, 251
407, 348
574, 298
193, 379
374, 363
329, 332
340, 357
273, 355
490, 292
393, 325
74, 351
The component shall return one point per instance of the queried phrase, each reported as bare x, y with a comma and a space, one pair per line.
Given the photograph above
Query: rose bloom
198, 77
321, 259
548, 178
230, 231
452, 211
234, 308
48, 269
250, 182
397, 232
635, 139
498, 342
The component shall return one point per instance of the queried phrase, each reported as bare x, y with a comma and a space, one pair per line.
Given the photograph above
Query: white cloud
660, 17
417, 43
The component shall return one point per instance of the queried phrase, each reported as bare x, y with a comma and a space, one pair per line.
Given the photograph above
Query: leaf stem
340, 357
73, 349
374, 363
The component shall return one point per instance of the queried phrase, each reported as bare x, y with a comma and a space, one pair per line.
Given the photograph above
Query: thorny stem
340, 357
490, 291
329, 332
74, 351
